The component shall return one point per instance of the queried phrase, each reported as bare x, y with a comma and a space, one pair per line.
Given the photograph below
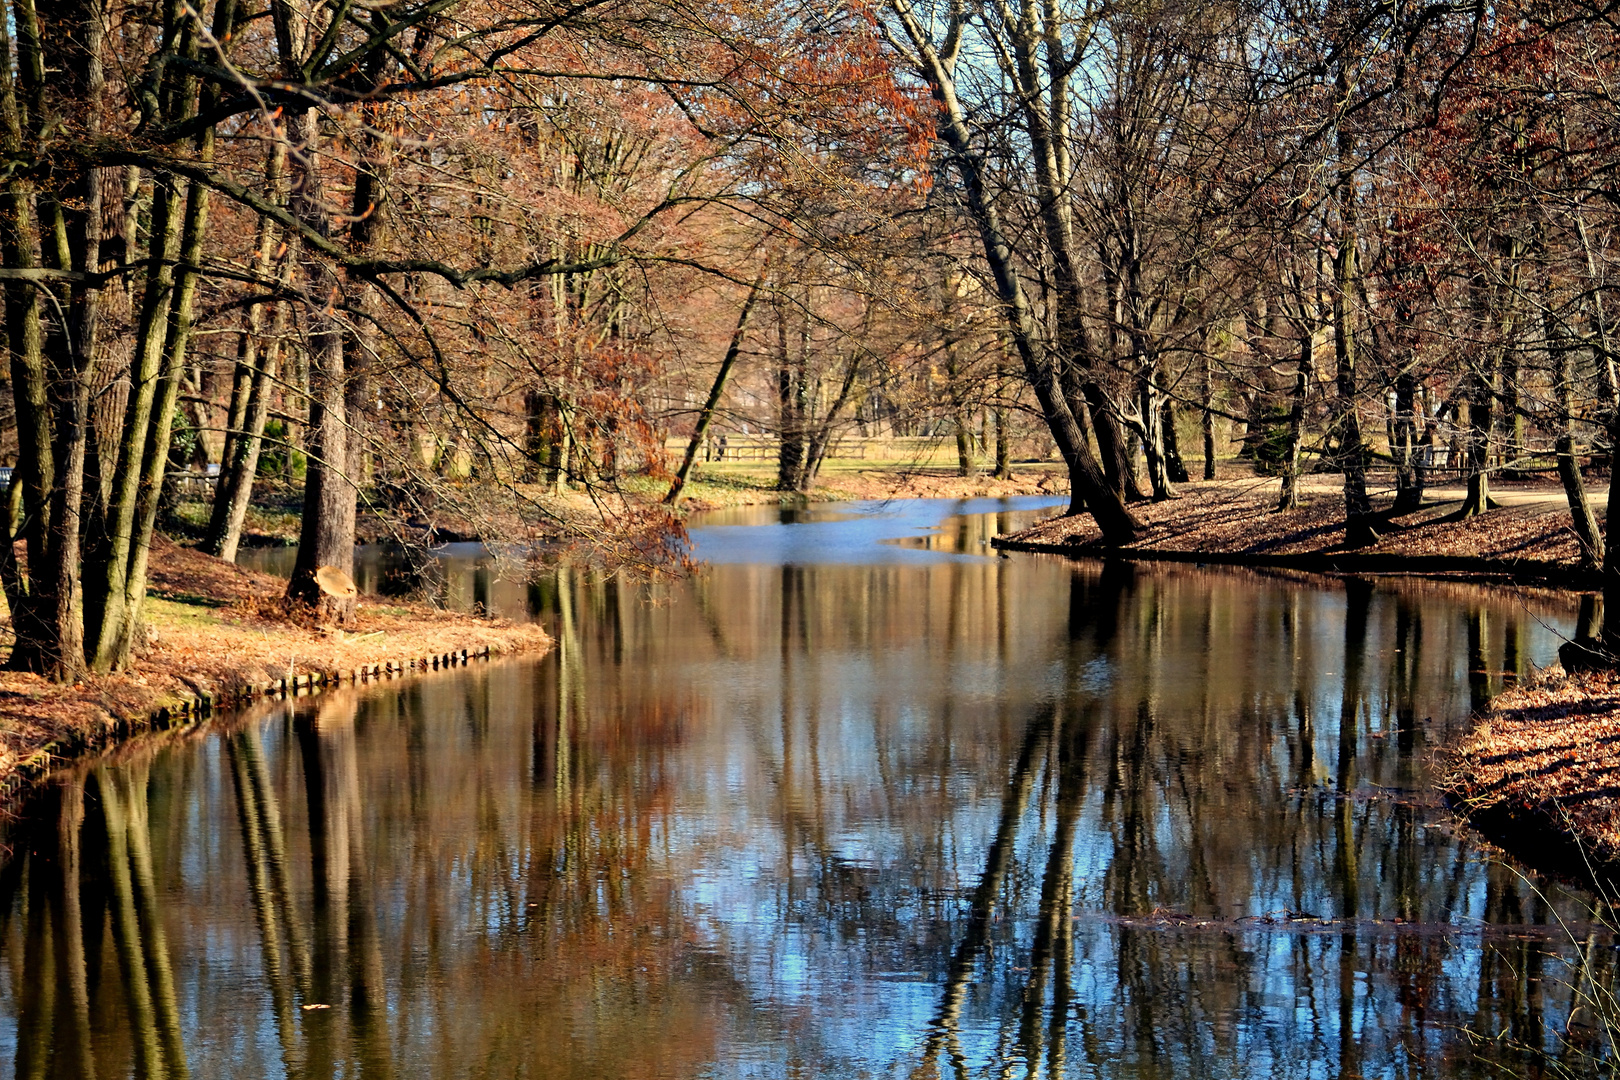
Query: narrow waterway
857, 799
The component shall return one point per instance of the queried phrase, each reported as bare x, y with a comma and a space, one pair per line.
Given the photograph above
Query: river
859, 798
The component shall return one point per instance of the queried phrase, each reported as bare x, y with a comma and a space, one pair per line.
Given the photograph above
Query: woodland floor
218, 628
1541, 772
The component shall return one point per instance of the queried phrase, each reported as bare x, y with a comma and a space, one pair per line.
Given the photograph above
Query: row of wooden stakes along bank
191, 710
207, 702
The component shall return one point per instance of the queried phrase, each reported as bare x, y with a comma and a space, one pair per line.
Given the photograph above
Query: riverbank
1540, 773
1527, 539
214, 629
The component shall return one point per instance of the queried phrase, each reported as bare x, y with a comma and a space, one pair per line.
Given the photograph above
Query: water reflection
469, 576
977, 817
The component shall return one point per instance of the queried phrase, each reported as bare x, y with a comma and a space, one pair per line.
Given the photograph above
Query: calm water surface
858, 799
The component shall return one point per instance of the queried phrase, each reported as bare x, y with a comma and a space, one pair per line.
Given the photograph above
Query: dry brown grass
218, 628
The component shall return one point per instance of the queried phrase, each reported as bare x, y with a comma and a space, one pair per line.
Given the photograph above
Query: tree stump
1584, 654
330, 593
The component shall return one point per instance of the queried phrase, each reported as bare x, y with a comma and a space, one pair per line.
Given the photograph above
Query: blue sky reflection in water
897, 531
833, 817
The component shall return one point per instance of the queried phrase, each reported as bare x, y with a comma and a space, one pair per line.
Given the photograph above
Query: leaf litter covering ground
1237, 517
219, 627
1547, 758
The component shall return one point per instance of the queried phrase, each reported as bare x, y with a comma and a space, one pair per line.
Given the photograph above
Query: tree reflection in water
971, 818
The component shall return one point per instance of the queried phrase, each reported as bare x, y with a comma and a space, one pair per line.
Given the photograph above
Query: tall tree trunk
791, 398
326, 536
1611, 550
180, 217
51, 371
1481, 409
1003, 469
1359, 527
36, 613
1206, 390
1483, 376
959, 417
1174, 466
560, 460
1089, 488
115, 652
1309, 323
1045, 108
235, 491
1304, 373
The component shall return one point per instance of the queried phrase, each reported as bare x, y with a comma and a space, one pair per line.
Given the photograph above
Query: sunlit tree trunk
40, 619
114, 595
1359, 526
61, 220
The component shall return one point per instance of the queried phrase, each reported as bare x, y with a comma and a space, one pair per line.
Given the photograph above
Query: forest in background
462, 256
